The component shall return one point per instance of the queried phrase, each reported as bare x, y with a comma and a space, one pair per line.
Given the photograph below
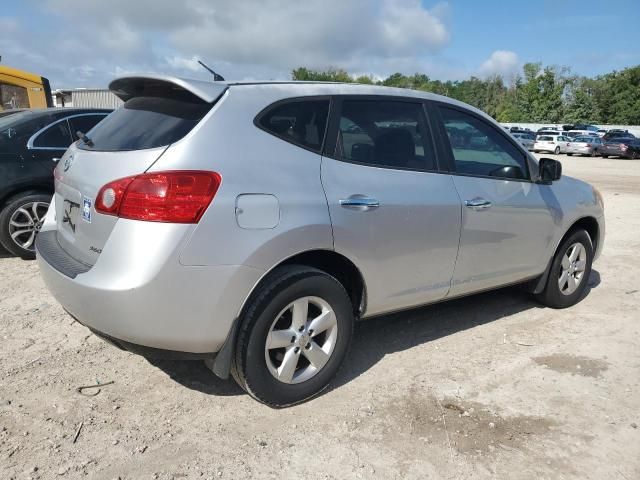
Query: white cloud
87, 41
501, 62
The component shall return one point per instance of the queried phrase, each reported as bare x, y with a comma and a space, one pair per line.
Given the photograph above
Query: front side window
302, 122
56, 136
478, 149
384, 133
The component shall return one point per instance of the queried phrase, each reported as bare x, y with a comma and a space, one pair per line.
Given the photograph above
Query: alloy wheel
574, 263
26, 222
301, 340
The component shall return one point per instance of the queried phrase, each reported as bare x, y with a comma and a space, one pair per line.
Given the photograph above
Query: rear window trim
284, 101
34, 137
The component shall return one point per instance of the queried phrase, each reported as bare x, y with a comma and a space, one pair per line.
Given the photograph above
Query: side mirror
550, 170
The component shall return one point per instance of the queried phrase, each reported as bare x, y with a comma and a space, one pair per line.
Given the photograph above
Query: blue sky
88, 42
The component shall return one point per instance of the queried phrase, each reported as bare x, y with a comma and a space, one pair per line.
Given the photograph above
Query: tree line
537, 94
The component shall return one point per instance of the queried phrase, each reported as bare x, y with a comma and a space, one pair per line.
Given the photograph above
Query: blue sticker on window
86, 209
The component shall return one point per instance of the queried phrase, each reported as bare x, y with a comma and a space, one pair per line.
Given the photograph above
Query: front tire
569, 272
294, 336
20, 221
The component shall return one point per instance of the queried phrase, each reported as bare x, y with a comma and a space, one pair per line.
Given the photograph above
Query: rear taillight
588, 145
172, 197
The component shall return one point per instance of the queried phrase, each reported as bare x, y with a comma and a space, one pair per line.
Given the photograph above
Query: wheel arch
330, 262
587, 223
17, 190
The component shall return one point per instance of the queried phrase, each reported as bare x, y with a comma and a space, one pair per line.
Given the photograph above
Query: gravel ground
491, 386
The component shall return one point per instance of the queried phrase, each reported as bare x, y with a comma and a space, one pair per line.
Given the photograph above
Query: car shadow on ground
377, 337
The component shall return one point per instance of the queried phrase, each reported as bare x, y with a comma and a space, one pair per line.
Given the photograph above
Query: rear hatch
158, 112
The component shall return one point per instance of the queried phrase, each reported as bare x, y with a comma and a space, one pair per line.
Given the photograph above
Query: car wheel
605, 156
594, 153
569, 272
635, 155
293, 337
569, 154
557, 151
20, 221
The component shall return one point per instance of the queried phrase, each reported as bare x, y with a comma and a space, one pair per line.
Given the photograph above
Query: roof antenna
216, 77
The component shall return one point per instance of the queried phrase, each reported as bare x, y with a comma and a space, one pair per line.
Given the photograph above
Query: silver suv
250, 224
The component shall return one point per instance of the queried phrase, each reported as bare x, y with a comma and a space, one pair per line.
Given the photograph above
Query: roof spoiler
129, 87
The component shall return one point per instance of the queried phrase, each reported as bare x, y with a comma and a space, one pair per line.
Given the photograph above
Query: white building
85, 98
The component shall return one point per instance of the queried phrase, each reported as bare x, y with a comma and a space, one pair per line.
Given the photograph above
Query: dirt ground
491, 386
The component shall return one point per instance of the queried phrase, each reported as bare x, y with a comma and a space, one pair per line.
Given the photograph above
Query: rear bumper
139, 295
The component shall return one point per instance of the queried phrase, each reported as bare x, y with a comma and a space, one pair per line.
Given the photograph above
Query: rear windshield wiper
84, 138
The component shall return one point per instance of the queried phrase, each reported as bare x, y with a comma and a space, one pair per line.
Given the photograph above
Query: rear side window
147, 122
84, 123
384, 133
302, 122
479, 149
56, 136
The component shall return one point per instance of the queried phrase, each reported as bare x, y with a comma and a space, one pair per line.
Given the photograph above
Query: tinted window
148, 122
384, 134
543, 138
56, 136
302, 122
84, 123
479, 149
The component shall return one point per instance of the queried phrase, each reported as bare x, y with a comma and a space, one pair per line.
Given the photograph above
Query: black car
31, 142
611, 134
623, 147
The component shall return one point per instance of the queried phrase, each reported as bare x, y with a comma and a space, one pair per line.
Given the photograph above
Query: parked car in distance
585, 130
31, 141
550, 143
623, 147
611, 134
526, 140
276, 214
584, 146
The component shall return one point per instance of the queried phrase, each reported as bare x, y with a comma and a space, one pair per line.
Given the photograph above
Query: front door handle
359, 203
478, 203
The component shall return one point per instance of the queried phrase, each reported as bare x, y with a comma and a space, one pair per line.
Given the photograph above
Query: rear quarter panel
251, 161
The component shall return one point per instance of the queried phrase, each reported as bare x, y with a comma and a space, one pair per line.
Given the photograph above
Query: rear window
147, 122
545, 139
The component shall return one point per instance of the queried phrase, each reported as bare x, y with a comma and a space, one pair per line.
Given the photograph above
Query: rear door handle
478, 203
359, 203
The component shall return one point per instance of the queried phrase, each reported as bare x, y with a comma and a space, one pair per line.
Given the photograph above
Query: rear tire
20, 221
279, 359
557, 151
569, 272
594, 153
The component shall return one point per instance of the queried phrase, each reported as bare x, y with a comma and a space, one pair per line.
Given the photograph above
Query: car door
507, 219
392, 212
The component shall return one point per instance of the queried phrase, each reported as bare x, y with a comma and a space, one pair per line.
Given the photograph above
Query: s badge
86, 209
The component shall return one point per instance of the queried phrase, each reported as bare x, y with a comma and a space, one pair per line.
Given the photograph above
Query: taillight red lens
172, 197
